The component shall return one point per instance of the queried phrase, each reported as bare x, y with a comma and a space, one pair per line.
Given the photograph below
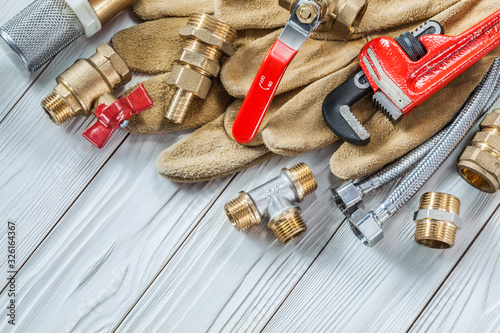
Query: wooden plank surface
468, 301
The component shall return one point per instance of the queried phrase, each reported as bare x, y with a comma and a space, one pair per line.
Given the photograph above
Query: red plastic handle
262, 91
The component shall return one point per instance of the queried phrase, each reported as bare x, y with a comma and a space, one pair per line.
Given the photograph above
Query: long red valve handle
262, 91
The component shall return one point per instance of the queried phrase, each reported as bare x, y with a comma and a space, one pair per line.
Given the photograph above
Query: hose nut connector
273, 202
437, 220
479, 163
206, 41
342, 17
81, 85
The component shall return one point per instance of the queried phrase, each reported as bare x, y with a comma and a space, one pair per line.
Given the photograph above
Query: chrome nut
366, 227
190, 80
347, 198
207, 37
438, 215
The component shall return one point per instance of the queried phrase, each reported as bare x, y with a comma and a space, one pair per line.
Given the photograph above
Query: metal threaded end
209, 51
179, 106
242, 212
56, 108
288, 226
213, 25
303, 179
435, 234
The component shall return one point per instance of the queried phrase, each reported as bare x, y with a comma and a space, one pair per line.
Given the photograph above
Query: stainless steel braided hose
368, 228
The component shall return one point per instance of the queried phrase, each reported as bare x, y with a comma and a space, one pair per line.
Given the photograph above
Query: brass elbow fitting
479, 163
342, 17
272, 202
437, 220
206, 41
80, 85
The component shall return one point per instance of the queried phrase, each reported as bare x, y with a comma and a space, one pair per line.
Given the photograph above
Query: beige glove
295, 125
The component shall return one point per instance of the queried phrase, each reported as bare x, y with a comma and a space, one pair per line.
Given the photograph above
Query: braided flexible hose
480, 101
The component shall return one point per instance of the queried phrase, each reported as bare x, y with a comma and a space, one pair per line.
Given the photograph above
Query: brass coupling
437, 220
342, 17
206, 41
273, 202
479, 163
80, 85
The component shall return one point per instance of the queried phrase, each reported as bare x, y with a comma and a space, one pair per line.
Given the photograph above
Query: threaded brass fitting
437, 220
342, 17
272, 202
206, 41
80, 85
479, 163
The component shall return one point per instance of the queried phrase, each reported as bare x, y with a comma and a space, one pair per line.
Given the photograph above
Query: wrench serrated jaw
356, 126
384, 104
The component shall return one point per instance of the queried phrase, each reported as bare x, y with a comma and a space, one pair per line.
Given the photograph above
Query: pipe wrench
342, 16
403, 77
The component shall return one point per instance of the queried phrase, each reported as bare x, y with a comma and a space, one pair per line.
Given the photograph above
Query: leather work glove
294, 122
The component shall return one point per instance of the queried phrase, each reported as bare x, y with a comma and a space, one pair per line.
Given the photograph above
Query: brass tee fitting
206, 41
80, 85
437, 220
479, 163
272, 202
342, 17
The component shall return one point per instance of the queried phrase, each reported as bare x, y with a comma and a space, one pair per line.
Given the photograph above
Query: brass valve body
206, 41
342, 17
437, 220
80, 85
272, 202
106, 10
479, 163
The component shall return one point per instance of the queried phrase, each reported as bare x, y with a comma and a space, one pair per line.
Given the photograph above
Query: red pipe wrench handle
262, 91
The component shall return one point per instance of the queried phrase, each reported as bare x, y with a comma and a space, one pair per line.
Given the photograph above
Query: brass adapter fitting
272, 202
206, 41
106, 10
437, 220
80, 85
479, 163
342, 17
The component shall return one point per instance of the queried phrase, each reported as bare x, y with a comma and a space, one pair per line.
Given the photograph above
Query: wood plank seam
208, 208
453, 269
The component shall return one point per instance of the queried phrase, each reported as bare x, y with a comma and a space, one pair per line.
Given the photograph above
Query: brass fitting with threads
272, 202
83, 83
342, 17
479, 163
437, 220
206, 42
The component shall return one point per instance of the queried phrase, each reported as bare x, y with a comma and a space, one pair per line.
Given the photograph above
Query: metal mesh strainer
40, 31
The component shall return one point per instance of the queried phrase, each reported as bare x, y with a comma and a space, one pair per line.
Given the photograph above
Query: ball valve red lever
271, 71
116, 115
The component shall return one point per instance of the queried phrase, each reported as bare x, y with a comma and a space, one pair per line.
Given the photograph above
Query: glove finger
202, 111
389, 142
251, 14
315, 60
276, 104
155, 9
299, 127
150, 47
208, 153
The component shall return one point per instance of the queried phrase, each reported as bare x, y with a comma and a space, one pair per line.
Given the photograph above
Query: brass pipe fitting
206, 41
80, 85
272, 202
342, 17
106, 10
479, 163
437, 220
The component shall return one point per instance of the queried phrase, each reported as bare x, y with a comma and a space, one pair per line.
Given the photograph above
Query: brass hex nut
348, 15
483, 164
491, 120
112, 64
491, 139
207, 37
198, 60
190, 80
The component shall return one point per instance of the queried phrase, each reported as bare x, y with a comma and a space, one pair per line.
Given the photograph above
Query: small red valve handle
262, 91
111, 117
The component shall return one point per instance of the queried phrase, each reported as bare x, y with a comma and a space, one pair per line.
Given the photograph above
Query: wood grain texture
468, 301
45, 167
224, 280
351, 288
110, 245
